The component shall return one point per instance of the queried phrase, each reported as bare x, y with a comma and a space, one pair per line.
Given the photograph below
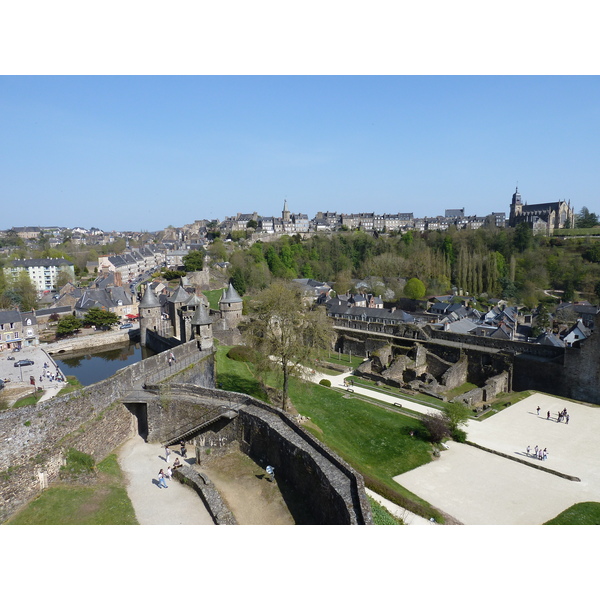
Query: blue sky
144, 152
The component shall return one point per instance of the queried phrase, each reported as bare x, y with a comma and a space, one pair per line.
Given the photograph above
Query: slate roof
230, 295
149, 299
10, 316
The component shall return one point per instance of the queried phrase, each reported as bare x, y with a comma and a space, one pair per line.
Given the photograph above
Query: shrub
458, 435
437, 426
241, 353
325, 382
78, 462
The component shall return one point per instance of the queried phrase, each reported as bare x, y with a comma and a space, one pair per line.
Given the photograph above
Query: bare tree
286, 332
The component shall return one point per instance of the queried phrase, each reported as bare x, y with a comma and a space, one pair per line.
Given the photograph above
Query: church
543, 218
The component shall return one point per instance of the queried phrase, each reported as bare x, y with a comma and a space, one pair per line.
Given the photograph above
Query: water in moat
91, 367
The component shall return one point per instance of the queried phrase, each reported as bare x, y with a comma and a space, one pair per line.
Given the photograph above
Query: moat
91, 367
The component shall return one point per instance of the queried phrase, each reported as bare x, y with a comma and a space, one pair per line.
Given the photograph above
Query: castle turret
285, 213
149, 309
202, 327
231, 306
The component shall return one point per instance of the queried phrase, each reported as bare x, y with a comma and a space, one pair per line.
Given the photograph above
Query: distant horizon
138, 153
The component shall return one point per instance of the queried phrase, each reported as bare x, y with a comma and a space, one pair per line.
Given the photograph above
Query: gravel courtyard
480, 488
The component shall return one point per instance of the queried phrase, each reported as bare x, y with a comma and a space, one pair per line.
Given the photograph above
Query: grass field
584, 513
103, 503
374, 440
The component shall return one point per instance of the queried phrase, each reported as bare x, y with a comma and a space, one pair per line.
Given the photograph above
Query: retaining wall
93, 420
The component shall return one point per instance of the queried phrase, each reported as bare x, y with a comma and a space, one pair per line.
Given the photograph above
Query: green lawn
374, 440
105, 502
584, 513
213, 296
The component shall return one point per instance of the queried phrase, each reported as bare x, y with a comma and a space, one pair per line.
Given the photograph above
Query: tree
437, 426
585, 219
285, 333
414, 289
98, 317
67, 325
194, 260
457, 414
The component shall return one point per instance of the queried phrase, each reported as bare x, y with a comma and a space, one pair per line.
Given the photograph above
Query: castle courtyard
480, 488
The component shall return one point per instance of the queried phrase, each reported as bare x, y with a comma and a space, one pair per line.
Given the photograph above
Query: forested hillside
504, 263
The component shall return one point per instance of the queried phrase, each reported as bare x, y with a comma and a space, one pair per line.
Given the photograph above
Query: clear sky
144, 152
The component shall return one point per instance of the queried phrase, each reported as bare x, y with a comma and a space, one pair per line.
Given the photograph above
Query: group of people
50, 376
167, 473
538, 453
563, 415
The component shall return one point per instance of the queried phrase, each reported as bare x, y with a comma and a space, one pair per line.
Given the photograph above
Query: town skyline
140, 153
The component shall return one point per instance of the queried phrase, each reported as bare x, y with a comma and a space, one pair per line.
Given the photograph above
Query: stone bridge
99, 418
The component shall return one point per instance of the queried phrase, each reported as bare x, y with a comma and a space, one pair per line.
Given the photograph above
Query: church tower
285, 213
516, 208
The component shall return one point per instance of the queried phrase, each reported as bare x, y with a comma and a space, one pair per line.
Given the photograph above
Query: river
91, 367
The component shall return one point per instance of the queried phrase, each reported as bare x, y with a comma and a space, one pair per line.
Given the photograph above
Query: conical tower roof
149, 300
231, 295
201, 316
180, 296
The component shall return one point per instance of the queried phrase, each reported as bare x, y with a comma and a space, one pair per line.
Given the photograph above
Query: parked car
126, 326
23, 363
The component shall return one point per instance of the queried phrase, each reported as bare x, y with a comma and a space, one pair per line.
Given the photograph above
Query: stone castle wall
92, 420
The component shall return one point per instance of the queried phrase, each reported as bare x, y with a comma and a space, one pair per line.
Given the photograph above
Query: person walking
161, 479
168, 473
538, 411
528, 450
567, 419
183, 449
548, 416
167, 454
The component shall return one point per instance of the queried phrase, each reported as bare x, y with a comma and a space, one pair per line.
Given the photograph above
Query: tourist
176, 464
544, 454
567, 419
538, 411
528, 449
183, 450
548, 415
167, 454
168, 473
271, 472
161, 479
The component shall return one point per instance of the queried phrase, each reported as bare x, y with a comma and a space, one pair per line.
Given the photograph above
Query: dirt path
245, 488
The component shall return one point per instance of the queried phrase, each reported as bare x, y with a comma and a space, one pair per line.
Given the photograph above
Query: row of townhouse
331, 221
134, 263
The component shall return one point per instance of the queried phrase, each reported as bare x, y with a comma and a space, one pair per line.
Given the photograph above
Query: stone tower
202, 328
149, 314
516, 208
231, 306
285, 213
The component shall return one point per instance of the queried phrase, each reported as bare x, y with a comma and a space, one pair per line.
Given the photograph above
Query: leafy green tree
457, 415
586, 219
414, 289
67, 325
98, 317
251, 224
194, 260
285, 333
523, 238
170, 274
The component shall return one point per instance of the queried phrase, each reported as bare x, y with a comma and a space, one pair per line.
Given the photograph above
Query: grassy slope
584, 513
375, 441
103, 503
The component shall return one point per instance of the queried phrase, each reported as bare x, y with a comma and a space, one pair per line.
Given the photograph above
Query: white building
43, 272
